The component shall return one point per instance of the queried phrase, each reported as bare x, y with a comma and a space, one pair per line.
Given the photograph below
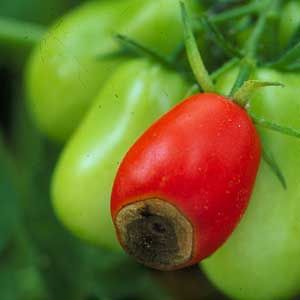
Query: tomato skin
260, 260
136, 95
202, 157
64, 75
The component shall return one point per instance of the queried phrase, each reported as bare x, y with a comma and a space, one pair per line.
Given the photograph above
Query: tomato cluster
69, 67
179, 188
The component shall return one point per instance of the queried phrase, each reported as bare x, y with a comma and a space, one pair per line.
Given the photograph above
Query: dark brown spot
155, 233
152, 240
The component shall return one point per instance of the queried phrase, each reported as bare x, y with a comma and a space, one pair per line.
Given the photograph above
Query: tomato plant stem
130, 47
289, 60
220, 40
197, 23
246, 67
223, 69
253, 42
13, 32
130, 43
236, 12
194, 55
250, 49
228, 15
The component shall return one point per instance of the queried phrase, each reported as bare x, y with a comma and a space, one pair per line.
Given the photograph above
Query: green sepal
241, 96
274, 126
269, 159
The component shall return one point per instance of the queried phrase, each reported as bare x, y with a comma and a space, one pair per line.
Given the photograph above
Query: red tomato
185, 184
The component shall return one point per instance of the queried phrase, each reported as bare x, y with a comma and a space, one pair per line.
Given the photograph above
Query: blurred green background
39, 259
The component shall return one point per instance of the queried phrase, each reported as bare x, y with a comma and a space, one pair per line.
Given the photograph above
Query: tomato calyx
241, 96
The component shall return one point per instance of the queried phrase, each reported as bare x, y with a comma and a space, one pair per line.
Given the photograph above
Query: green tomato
64, 75
137, 94
289, 22
260, 261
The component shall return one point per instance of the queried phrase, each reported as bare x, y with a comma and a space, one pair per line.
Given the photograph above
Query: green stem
227, 66
287, 59
251, 46
130, 43
236, 12
271, 36
115, 54
13, 32
246, 67
219, 19
273, 126
250, 49
194, 55
177, 53
229, 15
132, 48
220, 40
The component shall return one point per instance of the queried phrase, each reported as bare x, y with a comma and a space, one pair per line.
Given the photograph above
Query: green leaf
14, 32
237, 12
269, 159
9, 198
289, 60
224, 68
224, 44
294, 39
44, 12
274, 126
117, 54
253, 42
246, 67
115, 275
138, 48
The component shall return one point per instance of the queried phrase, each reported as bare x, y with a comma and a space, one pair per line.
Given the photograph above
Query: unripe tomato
13, 13
184, 185
64, 75
260, 261
137, 94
